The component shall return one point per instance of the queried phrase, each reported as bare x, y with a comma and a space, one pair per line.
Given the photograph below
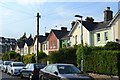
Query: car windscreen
68, 69
18, 64
39, 66
7, 63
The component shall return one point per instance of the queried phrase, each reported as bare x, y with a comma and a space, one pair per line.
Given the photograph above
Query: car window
39, 66
48, 68
31, 66
27, 66
54, 69
68, 69
18, 64
7, 63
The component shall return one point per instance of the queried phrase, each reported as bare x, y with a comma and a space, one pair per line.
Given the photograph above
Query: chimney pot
90, 19
108, 8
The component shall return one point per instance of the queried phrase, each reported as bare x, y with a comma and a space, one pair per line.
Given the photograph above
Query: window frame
98, 37
106, 36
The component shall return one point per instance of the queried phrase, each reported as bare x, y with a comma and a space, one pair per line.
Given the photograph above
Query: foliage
42, 57
11, 55
6, 56
64, 55
29, 58
112, 46
99, 60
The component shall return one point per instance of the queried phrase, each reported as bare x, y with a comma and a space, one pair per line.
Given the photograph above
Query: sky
19, 16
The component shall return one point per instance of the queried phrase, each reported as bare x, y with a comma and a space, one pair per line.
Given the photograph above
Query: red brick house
54, 39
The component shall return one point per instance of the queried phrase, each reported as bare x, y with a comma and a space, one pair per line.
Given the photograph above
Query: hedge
99, 61
64, 55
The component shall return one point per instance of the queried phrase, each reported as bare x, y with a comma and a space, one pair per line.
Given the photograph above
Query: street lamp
81, 39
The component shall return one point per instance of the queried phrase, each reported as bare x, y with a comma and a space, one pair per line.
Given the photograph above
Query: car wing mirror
56, 73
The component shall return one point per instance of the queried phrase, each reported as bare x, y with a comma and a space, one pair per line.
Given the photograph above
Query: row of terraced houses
82, 32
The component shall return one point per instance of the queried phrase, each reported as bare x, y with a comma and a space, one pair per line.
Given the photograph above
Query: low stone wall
103, 77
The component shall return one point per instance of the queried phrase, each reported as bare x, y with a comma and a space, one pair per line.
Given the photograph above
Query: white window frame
106, 36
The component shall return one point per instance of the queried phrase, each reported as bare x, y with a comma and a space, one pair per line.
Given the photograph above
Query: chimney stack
64, 28
108, 14
46, 34
89, 19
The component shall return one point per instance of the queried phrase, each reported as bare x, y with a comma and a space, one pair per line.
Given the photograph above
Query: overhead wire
18, 21
13, 9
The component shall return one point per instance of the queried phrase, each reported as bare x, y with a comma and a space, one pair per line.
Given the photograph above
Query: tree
12, 55
42, 57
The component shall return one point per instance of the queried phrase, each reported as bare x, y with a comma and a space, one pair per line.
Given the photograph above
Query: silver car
4, 65
62, 72
14, 68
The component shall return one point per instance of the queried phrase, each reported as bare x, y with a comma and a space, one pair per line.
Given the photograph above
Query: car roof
7, 61
37, 63
17, 62
61, 64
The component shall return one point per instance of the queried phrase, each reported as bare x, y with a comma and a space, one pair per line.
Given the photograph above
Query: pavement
103, 77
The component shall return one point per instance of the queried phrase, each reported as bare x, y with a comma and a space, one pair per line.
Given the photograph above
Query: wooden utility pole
38, 16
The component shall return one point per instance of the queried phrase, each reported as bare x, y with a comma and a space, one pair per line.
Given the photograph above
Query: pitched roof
29, 41
59, 33
102, 25
66, 37
20, 44
41, 38
90, 26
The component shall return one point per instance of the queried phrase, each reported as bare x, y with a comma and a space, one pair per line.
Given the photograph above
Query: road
5, 76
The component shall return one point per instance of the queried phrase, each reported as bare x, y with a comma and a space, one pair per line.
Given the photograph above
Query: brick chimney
108, 14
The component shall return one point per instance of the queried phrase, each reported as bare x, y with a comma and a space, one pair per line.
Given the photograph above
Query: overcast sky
19, 16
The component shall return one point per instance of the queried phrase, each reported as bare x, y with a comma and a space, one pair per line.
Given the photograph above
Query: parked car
14, 68
4, 65
62, 72
31, 71
1, 62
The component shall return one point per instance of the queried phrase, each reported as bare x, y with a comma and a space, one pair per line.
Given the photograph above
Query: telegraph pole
38, 16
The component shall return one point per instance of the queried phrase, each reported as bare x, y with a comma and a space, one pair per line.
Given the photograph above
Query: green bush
29, 58
6, 57
112, 46
99, 61
42, 57
11, 55
64, 55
